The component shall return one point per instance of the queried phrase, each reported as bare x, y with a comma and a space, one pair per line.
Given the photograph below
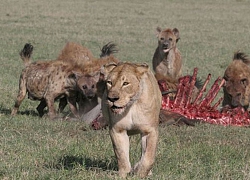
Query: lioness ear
142, 68
158, 31
106, 69
177, 34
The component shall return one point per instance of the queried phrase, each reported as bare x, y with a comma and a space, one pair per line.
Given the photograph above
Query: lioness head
237, 87
167, 38
123, 85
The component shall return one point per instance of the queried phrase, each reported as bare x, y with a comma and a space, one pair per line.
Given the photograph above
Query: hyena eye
84, 87
93, 86
244, 82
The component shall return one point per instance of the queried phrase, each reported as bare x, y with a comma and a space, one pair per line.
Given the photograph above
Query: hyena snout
238, 99
166, 44
90, 94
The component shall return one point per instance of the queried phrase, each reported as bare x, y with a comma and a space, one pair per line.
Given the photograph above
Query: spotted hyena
167, 58
46, 81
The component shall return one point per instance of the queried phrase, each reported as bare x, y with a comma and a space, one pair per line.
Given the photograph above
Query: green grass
37, 148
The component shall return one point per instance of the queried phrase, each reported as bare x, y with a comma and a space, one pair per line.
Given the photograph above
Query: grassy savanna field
38, 148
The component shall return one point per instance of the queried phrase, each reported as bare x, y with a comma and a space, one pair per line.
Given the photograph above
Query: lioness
237, 87
167, 58
131, 104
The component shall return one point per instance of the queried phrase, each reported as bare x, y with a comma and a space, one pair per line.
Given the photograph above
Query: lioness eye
125, 83
162, 38
170, 39
109, 82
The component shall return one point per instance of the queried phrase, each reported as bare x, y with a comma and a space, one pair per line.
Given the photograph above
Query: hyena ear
177, 34
96, 76
158, 31
106, 69
142, 68
75, 75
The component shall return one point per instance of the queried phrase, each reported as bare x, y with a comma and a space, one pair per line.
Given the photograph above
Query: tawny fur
237, 86
75, 54
171, 84
167, 58
131, 104
91, 85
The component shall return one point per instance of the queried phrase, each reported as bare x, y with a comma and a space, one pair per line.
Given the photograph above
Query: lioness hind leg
120, 141
149, 144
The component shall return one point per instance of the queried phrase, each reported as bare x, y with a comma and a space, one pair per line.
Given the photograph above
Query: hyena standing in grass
46, 81
167, 58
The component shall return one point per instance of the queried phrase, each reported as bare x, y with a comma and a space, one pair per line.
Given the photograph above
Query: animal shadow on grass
4, 110
71, 162
28, 113
7, 111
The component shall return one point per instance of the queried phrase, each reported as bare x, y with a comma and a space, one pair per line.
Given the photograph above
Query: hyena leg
51, 107
20, 97
149, 145
120, 141
72, 105
40, 108
62, 104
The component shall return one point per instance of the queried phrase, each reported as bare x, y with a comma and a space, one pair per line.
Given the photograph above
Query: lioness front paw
140, 171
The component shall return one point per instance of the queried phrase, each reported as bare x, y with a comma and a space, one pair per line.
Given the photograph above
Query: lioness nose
113, 99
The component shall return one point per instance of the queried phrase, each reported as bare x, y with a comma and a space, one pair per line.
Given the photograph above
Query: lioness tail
108, 49
25, 53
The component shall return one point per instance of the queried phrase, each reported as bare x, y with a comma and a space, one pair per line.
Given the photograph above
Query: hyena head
237, 81
167, 38
87, 84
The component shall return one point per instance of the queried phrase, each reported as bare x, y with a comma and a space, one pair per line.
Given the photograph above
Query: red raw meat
201, 108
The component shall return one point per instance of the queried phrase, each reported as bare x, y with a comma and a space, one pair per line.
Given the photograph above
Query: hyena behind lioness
75, 54
167, 58
46, 81
91, 83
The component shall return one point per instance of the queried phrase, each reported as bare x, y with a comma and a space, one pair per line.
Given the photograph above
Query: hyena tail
25, 53
108, 49
241, 56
